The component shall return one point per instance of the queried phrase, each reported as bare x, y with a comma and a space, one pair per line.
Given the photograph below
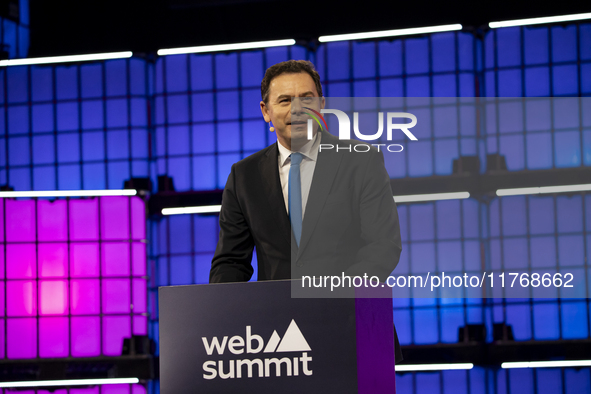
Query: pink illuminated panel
72, 278
22, 338
103, 389
2, 220
115, 258
138, 219
86, 341
53, 260
115, 218
84, 219
138, 258
53, 337
84, 258
84, 296
116, 296
21, 297
51, 220
53, 297
20, 220
114, 329
20, 261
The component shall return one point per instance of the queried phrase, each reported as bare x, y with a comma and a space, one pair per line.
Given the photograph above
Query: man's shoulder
255, 158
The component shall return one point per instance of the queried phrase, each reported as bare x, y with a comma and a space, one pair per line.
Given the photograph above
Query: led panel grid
541, 233
480, 380
436, 65
73, 277
442, 236
538, 133
207, 113
540, 61
75, 126
14, 34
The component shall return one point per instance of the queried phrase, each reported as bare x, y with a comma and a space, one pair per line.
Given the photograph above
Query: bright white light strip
202, 209
432, 367
226, 47
72, 382
538, 21
65, 59
398, 199
432, 197
390, 33
69, 193
547, 364
544, 190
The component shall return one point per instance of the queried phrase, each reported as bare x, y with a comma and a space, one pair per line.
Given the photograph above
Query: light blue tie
295, 196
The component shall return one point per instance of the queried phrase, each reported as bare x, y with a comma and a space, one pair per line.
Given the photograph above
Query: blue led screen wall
74, 126
538, 61
116, 98
546, 61
207, 113
438, 65
541, 232
14, 32
480, 380
437, 236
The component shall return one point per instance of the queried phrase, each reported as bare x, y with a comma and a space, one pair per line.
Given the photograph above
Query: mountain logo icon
293, 341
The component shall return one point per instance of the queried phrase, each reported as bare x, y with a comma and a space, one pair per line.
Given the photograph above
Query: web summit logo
293, 341
345, 129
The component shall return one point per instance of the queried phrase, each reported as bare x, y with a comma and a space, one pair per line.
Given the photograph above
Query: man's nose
296, 106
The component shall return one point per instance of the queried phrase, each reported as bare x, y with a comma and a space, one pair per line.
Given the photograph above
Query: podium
255, 338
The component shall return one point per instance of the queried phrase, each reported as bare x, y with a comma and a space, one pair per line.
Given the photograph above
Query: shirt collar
310, 150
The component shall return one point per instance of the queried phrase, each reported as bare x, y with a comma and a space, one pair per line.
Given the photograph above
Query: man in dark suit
350, 223
346, 221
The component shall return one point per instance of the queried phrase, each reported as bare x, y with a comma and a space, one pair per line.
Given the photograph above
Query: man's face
289, 119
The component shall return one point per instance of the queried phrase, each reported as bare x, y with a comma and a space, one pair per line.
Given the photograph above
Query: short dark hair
289, 67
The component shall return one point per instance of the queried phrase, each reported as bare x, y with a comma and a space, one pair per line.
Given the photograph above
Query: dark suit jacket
350, 223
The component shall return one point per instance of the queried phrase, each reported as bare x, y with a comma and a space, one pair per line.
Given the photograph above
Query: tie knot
296, 158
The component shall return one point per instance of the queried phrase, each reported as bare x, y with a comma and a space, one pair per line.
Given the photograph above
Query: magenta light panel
72, 276
104, 389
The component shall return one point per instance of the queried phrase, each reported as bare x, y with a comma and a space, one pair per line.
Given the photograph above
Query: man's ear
322, 102
265, 112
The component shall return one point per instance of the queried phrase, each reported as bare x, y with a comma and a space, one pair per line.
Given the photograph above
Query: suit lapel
272, 188
324, 173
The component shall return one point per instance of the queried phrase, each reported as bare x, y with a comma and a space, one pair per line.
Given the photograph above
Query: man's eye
307, 99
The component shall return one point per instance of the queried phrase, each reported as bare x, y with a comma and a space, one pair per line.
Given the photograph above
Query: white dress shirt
310, 153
